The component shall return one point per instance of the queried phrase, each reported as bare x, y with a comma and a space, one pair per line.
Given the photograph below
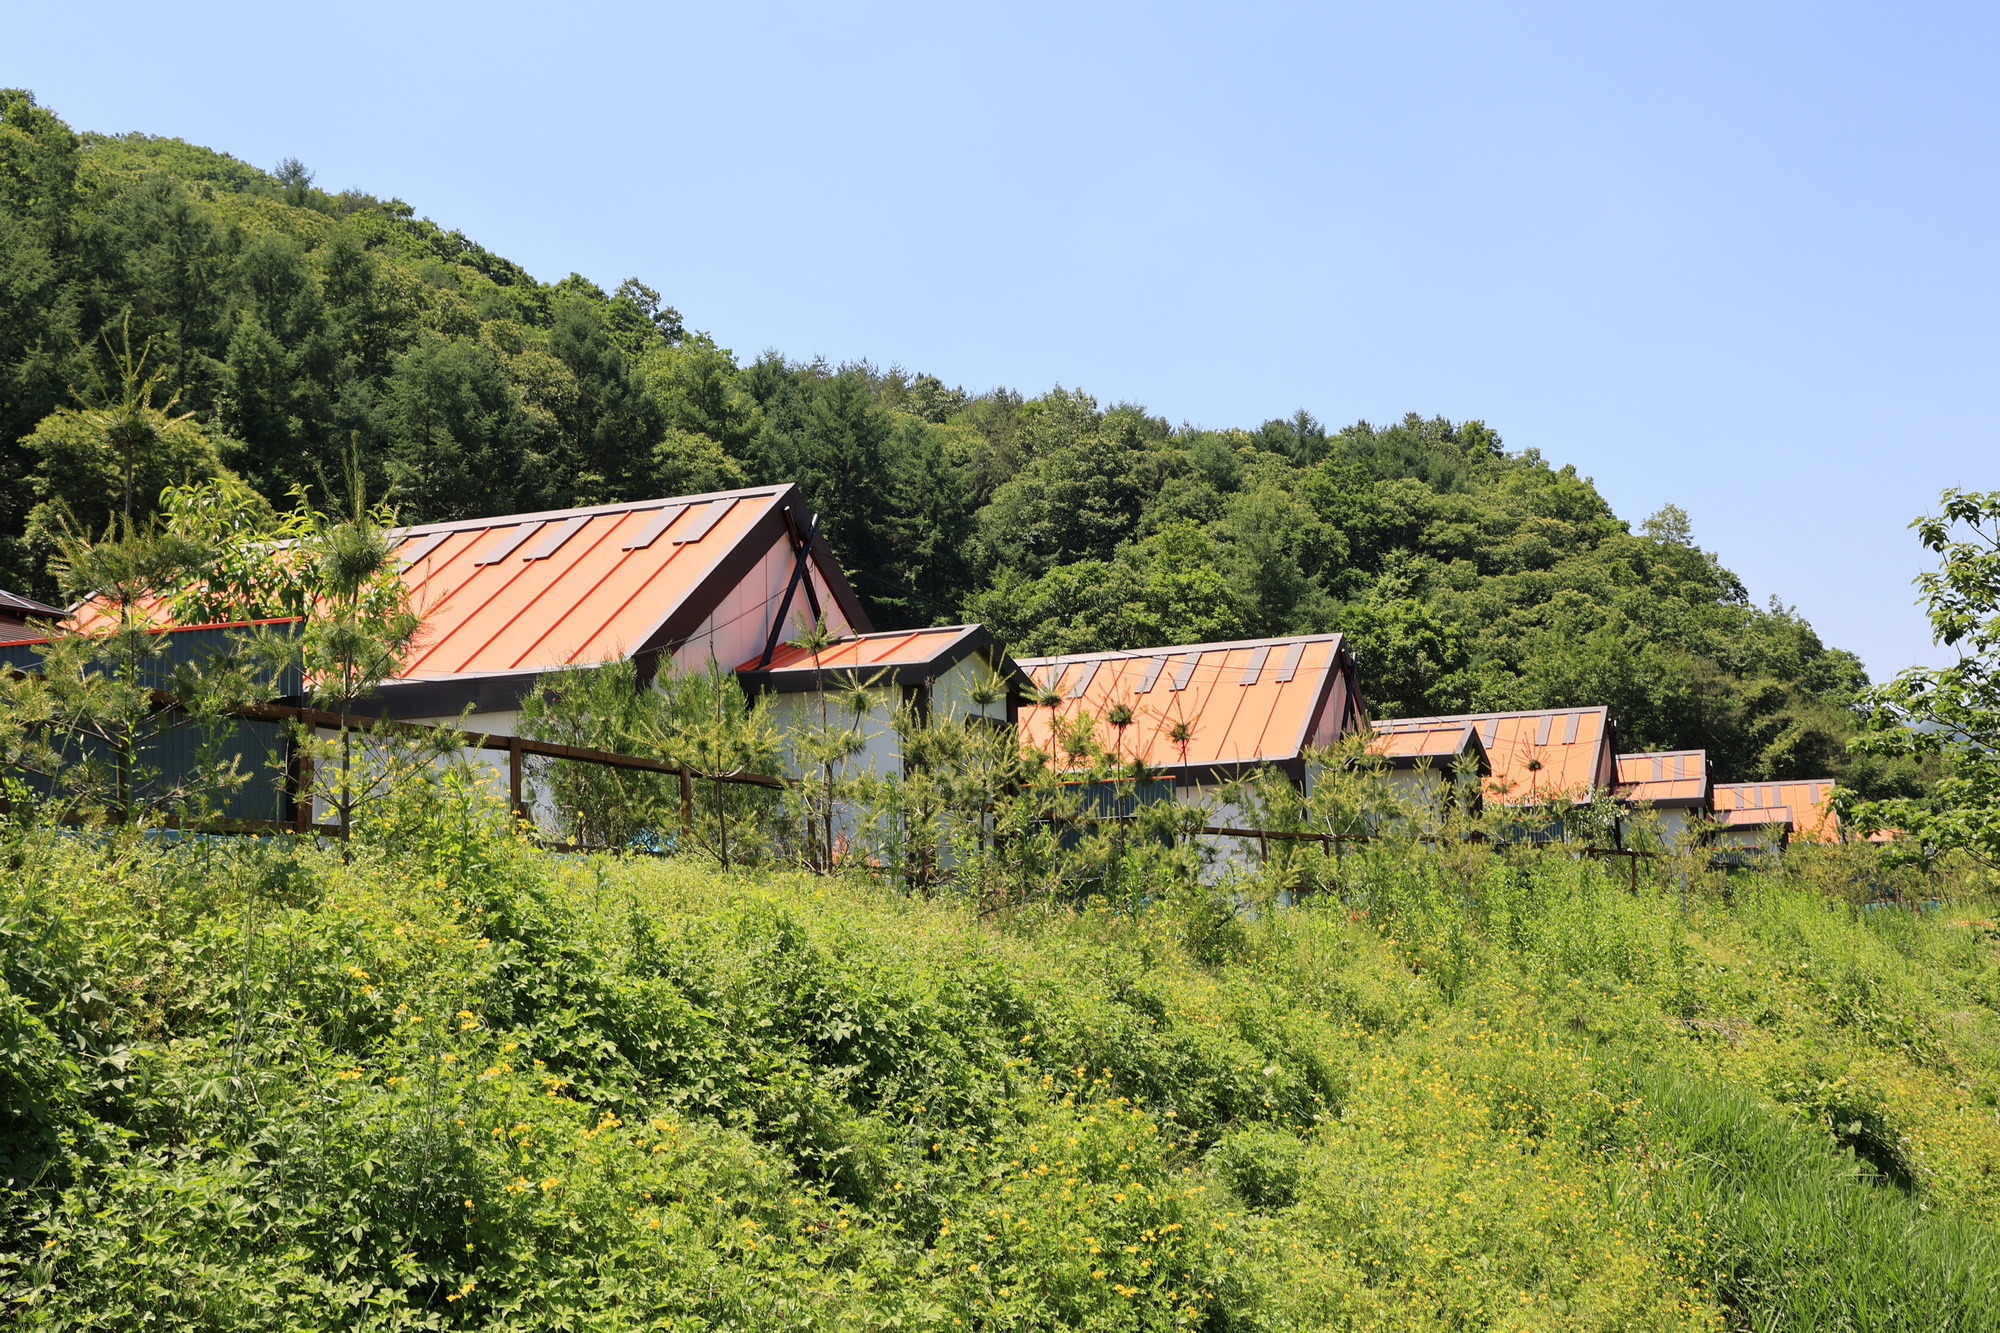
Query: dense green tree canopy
292, 325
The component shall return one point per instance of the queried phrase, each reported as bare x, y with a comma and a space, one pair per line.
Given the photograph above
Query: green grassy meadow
459, 1083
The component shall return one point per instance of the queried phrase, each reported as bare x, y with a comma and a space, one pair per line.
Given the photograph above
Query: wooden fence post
300, 776
514, 766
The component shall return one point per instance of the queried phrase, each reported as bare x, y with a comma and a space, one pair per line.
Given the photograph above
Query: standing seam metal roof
1532, 759
1664, 777
567, 587
1242, 703
1808, 802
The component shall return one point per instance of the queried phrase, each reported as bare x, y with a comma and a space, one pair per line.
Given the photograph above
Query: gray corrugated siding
191, 753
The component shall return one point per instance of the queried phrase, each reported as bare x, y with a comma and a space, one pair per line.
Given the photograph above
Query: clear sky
1738, 257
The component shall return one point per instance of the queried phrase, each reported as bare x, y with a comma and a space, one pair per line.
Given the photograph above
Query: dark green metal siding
194, 753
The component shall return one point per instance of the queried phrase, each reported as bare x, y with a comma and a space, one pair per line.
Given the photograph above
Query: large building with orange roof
1541, 755
669, 583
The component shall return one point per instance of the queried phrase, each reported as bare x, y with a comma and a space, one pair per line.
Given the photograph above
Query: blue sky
1735, 257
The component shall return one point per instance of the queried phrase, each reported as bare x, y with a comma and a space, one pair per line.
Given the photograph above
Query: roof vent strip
421, 548
556, 539
1186, 673
1083, 679
705, 517
1153, 666
651, 532
1255, 668
1291, 666
508, 544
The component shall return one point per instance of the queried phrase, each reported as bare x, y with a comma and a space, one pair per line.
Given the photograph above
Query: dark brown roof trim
13, 601
730, 565
1340, 668
448, 696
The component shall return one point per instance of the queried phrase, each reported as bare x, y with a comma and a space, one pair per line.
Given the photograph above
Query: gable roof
1539, 754
1435, 747
1241, 704
906, 657
1665, 778
15, 607
1806, 803
526, 592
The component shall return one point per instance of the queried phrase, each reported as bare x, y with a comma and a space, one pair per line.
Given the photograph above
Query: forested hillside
266, 326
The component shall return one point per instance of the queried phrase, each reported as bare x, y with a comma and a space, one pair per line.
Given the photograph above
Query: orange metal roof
558, 589
1665, 777
1436, 746
1809, 802
1247, 702
902, 657
867, 652
1538, 755
529, 592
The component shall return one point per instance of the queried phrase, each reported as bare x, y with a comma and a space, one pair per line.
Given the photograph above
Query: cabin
1197, 715
176, 750
667, 584
1763, 816
1534, 757
1204, 713
1429, 768
957, 671
1673, 786
24, 617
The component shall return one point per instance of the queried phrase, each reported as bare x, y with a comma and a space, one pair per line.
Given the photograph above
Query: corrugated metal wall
193, 753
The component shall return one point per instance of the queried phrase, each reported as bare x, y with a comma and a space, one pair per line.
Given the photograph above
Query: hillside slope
462, 1084
299, 328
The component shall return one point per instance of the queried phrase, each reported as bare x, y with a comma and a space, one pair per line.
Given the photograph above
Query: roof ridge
1173, 649
585, 511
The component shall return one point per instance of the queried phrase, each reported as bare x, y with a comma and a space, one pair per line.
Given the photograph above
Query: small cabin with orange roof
1204, 713
1424, 764
1763, 814
1673, 785
1199, 714
954, 671
1541, 755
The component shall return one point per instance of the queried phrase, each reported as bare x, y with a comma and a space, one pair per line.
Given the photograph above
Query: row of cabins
737, 577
